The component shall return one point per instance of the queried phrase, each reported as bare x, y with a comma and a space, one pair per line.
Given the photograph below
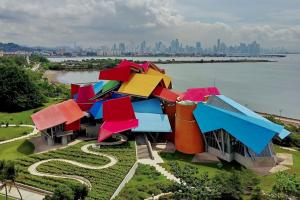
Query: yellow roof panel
167, 80
140, 85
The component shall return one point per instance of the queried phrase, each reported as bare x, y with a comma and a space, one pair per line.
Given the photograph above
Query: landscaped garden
104, 181
145, 183
7, 133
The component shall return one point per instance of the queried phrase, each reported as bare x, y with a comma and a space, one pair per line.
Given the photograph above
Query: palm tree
8, 176
2, 177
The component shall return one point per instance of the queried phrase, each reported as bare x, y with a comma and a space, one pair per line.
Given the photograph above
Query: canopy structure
253, 131
141, 85
74, 90
150, 122
117, 74
97, 110
165, 94
85, 93
148, 106
166, 79
65, 112
98, 86
199, 94
118, 116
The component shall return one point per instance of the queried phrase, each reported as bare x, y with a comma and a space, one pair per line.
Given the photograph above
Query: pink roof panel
198, 94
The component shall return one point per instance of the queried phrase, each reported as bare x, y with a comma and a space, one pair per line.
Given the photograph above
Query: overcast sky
93, 23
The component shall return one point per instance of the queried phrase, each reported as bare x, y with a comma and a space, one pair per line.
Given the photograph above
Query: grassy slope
145, 182
17, 149
13, 132
22, 117
104, 181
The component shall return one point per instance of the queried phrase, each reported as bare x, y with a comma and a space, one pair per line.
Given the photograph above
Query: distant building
1, 53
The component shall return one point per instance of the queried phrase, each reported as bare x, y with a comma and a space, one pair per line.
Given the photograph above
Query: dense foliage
293, 139
286, 186
231, 184
91, 64
18, 90
76, 192
104, 182
23, 89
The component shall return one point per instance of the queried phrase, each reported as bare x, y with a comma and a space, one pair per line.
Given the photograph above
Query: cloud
97, 22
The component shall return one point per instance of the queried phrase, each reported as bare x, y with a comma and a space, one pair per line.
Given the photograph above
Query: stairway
165, 173
142, 148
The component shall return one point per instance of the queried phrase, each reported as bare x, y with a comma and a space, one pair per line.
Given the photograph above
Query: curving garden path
34, 132
33, 168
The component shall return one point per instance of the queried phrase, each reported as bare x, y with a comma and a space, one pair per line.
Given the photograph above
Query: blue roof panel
149, 122
97, 110
253, 132
98, 86
148, 106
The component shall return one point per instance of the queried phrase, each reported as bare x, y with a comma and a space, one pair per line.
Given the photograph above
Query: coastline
52, 76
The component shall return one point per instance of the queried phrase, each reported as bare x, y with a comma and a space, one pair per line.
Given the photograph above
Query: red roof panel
117, 74
118, 109
165, 94
74, 89
109, 128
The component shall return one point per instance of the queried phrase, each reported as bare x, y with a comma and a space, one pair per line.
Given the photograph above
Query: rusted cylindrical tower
188, 138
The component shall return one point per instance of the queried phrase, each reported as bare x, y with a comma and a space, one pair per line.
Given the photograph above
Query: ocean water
272, 87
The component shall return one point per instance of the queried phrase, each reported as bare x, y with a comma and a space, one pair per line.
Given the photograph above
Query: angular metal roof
252, 131
150, 122
64, 112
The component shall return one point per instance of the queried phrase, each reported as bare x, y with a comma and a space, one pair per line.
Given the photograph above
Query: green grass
2, 197
104, 181
184, 159
145, 182
13, 132
16, 149
22, 117
268, 181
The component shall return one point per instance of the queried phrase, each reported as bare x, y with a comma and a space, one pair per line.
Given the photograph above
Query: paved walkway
34, 132
33, 168
26, 194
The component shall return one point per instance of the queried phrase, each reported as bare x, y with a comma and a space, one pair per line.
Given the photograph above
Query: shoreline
52, 75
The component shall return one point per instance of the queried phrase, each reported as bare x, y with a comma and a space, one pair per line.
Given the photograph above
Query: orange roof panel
64, 112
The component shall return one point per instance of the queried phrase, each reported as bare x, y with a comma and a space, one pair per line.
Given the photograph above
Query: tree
18, 90
80, 191
8, 176
74, 192
229, 185
286, 186
61, 193
256, 194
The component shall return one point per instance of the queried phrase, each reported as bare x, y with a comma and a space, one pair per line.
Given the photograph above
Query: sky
272, 23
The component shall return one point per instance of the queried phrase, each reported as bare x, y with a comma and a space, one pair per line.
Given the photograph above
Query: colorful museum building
138, 98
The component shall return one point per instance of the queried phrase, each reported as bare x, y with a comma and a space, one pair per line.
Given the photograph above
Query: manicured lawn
145, 182
104, 181
184, 159
22, 117
16, 149
13, 132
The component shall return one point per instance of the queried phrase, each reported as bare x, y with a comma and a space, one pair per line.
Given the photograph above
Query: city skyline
94, 23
